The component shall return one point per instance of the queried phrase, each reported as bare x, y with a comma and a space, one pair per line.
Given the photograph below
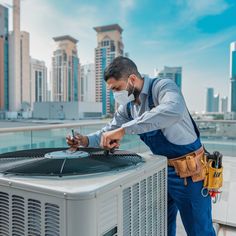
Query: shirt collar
146, 84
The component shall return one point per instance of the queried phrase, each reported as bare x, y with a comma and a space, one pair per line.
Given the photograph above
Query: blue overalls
195, 210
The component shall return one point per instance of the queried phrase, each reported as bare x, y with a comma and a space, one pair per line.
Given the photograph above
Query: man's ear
133, 78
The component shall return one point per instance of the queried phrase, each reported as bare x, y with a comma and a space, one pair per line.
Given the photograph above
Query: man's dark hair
121, 67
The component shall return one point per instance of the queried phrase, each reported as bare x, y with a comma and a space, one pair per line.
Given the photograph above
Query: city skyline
196, 36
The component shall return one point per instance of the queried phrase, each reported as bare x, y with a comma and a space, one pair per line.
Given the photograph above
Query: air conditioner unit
56, 192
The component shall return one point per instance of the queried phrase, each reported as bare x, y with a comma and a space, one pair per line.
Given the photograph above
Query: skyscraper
4, 59
109, 46
233, 75
209, 100
216, 101
87, 83
19, 63
15, 60
25, 67
224, 104
38, 85
174, 73
65, 69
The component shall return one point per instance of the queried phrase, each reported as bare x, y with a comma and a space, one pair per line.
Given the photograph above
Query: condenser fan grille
93, 160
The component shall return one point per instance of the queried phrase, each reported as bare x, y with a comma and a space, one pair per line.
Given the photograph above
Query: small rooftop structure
105, 28
65, 37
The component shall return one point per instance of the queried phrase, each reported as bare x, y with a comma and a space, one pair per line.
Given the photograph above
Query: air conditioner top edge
82, 187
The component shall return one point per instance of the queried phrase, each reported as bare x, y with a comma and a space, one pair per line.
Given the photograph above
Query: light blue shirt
170, 114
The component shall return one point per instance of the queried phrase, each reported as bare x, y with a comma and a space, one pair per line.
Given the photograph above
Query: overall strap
128, 108
150, 97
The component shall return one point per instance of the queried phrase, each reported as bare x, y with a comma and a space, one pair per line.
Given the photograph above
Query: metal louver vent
145, 204
52, 220
34, 217
155, 205
135, 208
149, 205
143, 207
18, 215
127, 211
162, 176
4, 214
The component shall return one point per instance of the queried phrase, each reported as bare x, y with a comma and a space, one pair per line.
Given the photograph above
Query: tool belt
192, 165
200, 166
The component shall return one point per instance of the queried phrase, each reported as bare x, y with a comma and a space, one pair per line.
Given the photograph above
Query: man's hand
78, 140
111, 139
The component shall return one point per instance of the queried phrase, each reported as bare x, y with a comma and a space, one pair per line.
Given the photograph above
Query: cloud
49, 22
188, 13
125, 7
204, 42
194, 10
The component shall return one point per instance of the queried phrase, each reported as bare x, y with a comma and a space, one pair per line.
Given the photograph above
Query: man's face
116, 85
124, 84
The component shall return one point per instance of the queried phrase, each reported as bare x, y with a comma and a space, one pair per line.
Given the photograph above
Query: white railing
216, 135
53, 135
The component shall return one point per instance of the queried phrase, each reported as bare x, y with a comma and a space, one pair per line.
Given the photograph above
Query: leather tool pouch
191, 166
214, 177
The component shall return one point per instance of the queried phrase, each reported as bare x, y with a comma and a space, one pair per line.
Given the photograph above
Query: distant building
19, 65
233, 75
209, 100
173, 73
25, 67
67, 110
216, 101
4, 59
65, 69
38, 85
224, 104
230, 116
109, 46
87, 91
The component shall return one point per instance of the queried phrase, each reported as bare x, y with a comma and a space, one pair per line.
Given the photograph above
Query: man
155, 109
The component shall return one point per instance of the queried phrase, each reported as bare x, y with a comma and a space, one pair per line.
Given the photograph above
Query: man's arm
118, 120
169, 111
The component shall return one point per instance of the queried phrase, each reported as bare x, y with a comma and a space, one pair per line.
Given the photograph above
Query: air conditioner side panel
108, 211
144, 203
26, 212
81, 217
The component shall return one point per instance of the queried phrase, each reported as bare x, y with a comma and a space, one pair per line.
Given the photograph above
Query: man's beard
136, 92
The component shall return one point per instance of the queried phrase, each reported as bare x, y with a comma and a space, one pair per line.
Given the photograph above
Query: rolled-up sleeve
118, 120
169, 110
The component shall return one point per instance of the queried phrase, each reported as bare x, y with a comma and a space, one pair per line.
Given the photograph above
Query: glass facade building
4, 59
109, 46
233, 75
173, 73
65, 69
210, 100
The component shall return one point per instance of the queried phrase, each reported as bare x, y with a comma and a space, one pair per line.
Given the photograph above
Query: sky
194, 34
